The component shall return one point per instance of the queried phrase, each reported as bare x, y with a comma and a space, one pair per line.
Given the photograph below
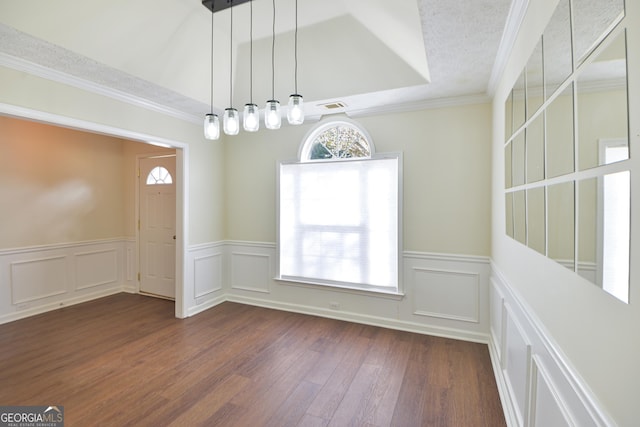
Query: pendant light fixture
231, 121
251, 119
272, 119
211, 121
295, 112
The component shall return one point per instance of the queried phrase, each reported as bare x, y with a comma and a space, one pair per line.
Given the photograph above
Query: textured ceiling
365, 53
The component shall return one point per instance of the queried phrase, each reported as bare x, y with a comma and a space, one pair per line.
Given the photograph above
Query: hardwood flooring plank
125, 360
329, 398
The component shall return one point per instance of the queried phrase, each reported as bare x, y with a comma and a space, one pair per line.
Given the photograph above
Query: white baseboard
43, 308
443, 332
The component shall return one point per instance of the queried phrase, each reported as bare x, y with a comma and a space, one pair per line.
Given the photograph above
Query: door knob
174, 237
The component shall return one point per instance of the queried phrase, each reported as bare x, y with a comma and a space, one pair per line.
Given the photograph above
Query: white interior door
157, 196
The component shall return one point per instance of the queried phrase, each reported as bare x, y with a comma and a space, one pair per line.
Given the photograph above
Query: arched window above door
159, 176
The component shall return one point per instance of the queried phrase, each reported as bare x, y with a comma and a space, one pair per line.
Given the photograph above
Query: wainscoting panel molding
251, 271
538, 385
443, 295
447, 294
96, 268
43, 278
206, 276
39, 278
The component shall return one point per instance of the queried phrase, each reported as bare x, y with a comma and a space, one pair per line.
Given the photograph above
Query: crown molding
38, 70
516, 15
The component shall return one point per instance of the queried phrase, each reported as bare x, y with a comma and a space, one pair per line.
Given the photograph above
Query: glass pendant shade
231, 121
272, 118
251, 120
211, 126
295, 112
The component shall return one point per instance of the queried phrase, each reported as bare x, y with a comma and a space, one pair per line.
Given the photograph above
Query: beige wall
205, 180
446, 177
59, 185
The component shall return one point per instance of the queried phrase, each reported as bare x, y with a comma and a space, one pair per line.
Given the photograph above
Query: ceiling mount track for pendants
219, 5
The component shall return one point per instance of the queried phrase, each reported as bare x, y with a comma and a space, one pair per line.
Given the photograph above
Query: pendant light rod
211, 121
211, 64
296, 52
250, 51
273, 52
231, 58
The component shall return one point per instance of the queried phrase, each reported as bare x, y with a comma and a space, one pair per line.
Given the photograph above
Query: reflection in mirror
517, 159
613, 233
602, 107
508, 116
592, 21
535, 150
508, 156
557, 48
535, 219
508, 204
534, 72
560, 152
519, 103
603, 232
560, 223
587, 230
519, 217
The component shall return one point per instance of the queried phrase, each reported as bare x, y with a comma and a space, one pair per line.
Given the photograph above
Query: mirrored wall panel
519, 113
560, 134
536, 233
519, 217
604, 226
534, 135
587, 229
508, 116
602, 107
508, 158
592, 21
566, 123
616, 204
534, 80
557, 53
560, 222
508, 202
518, 160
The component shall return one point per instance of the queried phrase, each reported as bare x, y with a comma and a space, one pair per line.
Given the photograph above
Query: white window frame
303, 154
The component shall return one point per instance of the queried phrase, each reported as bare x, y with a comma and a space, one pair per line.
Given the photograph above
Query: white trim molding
538, 385
74, 273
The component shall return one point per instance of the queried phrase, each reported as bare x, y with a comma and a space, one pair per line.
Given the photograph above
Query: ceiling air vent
333, 105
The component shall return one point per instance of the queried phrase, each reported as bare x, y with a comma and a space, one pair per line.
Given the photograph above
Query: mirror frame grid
517, 191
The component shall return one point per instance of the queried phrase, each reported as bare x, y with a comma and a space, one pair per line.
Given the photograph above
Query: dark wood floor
125, 360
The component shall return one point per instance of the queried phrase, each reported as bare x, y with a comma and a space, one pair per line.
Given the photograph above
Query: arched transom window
158, 176
336, 140
339, 210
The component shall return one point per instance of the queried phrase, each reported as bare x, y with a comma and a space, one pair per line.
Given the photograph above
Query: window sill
379, 293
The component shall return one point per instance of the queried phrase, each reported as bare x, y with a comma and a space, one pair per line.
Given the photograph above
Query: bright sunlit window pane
158, 176
338, 222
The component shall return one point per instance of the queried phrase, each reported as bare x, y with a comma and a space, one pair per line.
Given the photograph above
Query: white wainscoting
38, 279
205, 277
444, 295
538, 387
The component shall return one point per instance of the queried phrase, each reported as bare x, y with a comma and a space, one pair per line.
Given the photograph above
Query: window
159, 176
339, 212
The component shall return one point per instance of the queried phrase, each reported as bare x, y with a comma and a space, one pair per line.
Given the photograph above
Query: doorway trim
182, 172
